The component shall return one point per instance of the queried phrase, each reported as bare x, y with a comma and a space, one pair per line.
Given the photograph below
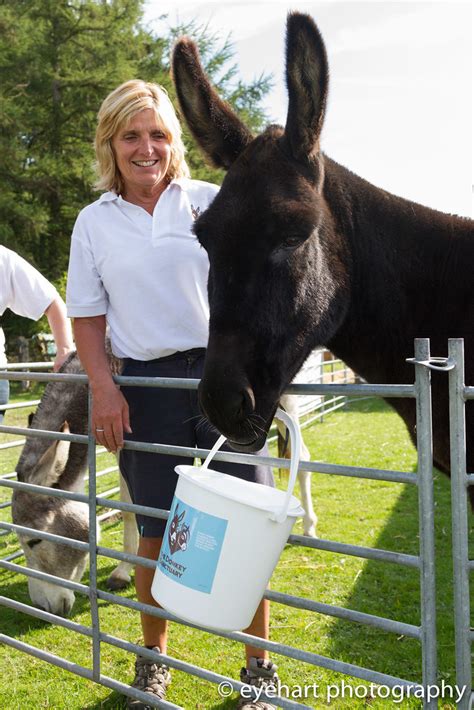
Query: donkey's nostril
242, 403
248, 403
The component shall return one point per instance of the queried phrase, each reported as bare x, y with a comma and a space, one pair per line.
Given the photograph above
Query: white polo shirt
22, 289
146, 273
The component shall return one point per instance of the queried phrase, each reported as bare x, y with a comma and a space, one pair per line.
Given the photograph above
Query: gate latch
442, 364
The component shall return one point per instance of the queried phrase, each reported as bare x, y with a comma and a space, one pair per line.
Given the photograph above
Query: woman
136, 267
27, 293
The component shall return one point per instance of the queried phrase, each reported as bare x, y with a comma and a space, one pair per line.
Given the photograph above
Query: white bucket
223, 539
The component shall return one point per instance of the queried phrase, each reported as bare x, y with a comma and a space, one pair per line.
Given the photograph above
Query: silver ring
99, 429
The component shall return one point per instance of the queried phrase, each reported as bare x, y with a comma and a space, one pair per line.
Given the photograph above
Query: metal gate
424, 561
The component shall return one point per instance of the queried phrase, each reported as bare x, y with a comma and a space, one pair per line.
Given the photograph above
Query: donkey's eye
292, 242
32, 543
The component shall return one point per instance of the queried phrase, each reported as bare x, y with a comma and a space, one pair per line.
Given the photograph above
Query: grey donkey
61, 464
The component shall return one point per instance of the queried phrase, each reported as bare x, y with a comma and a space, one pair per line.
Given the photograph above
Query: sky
400, 110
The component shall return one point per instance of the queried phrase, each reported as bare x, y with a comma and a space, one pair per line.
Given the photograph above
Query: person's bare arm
109, 406
61, 329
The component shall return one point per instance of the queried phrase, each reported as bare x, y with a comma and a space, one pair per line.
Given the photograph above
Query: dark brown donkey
303, 253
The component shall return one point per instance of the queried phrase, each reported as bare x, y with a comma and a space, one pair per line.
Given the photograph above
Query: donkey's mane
401, 256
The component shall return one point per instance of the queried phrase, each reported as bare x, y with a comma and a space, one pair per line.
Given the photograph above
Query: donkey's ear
307, 79
218, 130
52, 463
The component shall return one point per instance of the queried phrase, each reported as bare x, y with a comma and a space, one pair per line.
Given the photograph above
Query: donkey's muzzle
230, 411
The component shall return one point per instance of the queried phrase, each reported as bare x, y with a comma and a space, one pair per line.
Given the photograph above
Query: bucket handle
295, 438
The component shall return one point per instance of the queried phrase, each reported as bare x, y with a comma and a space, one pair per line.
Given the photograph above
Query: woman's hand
61, 356
110, 416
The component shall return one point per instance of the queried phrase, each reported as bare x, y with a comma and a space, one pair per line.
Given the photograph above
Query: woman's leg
156, 415
155, 630
260, 626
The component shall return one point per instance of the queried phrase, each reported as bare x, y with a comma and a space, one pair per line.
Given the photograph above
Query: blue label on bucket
191, 546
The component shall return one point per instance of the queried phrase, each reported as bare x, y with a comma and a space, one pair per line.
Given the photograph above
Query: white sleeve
85, 292
28, 293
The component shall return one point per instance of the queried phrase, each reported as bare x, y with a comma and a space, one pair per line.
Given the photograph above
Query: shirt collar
182, 182
108, 197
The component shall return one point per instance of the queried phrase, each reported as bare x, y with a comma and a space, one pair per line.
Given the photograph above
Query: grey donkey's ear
52, 463
218, 130
307, 78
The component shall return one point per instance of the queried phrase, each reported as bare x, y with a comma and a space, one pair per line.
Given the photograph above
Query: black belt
194, 352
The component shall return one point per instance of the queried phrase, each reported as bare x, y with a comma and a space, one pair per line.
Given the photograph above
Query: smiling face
143, 154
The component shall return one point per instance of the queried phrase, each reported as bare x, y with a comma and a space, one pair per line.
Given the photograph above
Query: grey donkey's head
60, 517
55, 464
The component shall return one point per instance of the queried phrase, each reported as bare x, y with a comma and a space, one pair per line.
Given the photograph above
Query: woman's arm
110, 415
61, 329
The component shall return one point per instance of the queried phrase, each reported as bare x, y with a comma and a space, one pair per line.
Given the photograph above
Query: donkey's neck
402, 258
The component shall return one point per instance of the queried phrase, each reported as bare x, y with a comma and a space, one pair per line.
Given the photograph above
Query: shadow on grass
115, 701
393, 591
15, 624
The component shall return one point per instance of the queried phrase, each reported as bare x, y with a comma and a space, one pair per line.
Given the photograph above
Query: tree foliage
58, 61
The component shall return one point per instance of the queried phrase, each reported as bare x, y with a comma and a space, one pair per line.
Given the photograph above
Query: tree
58, 61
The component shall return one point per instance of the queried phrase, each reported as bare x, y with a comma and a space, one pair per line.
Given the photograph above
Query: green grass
361, 512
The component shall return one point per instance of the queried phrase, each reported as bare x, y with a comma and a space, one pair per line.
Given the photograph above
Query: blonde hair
119, 107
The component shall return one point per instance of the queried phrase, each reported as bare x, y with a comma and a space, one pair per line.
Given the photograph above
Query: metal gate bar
458, 394
369, 553
396, 627
92, 494
316, 466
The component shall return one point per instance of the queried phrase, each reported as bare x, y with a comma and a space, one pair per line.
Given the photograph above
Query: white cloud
402, 26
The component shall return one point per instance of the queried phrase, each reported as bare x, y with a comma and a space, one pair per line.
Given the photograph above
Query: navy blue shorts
169, 416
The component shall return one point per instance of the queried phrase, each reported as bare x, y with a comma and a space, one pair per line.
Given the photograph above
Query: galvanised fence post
459, 485
426, 516
91, 459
